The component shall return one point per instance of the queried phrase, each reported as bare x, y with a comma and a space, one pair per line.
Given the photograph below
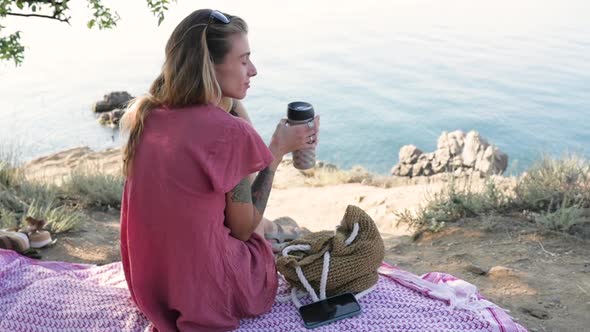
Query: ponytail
133, 121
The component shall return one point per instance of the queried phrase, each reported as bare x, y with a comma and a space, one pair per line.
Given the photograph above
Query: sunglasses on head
216, 14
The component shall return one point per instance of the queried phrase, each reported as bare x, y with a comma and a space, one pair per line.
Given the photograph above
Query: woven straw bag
354, 253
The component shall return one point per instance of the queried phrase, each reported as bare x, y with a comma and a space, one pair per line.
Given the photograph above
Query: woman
191, 247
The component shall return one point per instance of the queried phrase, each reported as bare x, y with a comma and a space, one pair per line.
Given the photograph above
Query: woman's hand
287, 138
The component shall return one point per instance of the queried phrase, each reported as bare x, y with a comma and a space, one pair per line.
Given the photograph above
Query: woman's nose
252, 70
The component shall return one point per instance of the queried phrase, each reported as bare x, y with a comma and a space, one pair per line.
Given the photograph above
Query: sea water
382, 74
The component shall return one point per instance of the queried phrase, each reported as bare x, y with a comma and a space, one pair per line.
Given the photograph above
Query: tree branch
52, 2
39, 15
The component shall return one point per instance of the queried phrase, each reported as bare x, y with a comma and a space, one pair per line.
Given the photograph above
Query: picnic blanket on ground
57, 296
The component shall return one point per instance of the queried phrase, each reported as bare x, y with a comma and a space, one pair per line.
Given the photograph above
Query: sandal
16, 241
38, 237
27, 239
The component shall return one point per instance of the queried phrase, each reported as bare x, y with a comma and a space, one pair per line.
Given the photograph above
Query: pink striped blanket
58, 296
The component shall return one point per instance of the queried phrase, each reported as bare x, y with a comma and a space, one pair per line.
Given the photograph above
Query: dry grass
327, 175
556, 191
550, 184
60, 205
459, 199
38, 200
60, 218
93, 188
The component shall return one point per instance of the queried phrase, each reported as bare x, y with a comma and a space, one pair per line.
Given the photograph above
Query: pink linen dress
184, 270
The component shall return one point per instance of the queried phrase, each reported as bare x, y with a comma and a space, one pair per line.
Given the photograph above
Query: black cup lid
299, 111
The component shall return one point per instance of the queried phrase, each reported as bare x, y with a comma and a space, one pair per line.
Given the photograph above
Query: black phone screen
330, 309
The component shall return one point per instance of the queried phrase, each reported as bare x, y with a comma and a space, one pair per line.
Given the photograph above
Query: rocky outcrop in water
457, 153
111, 118
112, 107
111, 101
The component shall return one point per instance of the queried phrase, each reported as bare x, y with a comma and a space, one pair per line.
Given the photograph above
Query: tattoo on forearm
261, 189
241, 193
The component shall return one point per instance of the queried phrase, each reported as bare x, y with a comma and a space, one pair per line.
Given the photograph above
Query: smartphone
329, 310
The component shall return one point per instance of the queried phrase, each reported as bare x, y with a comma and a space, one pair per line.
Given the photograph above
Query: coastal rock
408, 154
402, 170
111, 101
452, 141
457, 153
492, 161
473, 145
417, 169
111, 118
441, 160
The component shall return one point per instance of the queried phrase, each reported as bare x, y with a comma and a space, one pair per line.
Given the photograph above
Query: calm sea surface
382, 74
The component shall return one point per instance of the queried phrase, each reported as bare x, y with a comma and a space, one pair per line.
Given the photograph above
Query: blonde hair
188, 73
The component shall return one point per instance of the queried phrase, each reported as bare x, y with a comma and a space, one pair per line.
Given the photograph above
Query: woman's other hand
287, 138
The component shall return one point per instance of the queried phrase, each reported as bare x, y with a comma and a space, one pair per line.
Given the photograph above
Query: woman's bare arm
245, 204
240, 110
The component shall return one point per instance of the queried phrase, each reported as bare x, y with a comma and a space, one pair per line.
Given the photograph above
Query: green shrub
94, 188
32, 191
558, 190
454, 203
7, 174
561, 219
20, 198
551, 184
8, 218
9, 200
60, 218
17, 198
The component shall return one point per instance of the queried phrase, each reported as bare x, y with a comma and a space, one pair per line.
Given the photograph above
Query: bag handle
325, 270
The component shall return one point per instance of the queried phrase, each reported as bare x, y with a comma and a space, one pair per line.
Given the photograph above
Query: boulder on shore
457, 153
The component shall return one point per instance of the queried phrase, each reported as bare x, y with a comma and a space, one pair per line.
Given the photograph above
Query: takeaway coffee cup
301, 113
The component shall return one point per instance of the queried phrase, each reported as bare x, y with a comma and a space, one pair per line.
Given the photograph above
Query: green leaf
102, 16
11, 48
4, 6
158, 8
